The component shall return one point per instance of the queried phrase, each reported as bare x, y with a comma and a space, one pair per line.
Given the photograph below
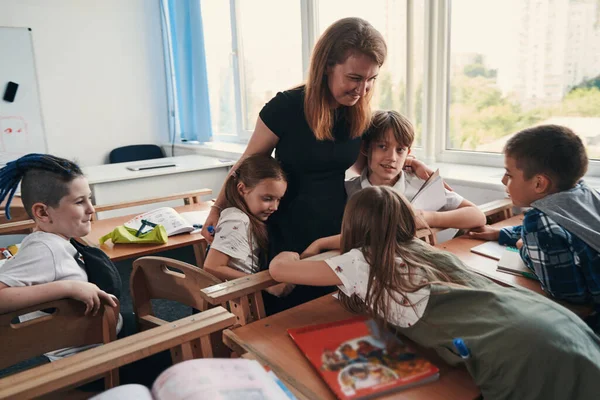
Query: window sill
231, 151
455, 174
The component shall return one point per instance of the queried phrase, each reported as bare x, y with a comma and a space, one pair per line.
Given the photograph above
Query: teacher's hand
211, 221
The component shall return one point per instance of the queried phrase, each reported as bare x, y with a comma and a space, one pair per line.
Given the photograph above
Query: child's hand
519, 244
211, 220
485, 232
312, 250
423, 219
281, 290
286, 256
421, 170
91, 295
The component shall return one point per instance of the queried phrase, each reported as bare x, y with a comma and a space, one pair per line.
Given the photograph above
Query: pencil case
122, 234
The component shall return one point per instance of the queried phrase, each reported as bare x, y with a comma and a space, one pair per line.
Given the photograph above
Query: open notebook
432, 195
509, 259
208, 378
174, 222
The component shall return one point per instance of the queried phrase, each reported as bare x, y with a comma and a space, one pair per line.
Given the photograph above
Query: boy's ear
364, 149
543, 183
40, 213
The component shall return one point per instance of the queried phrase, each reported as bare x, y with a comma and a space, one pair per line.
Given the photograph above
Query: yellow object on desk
13, 248
122, 234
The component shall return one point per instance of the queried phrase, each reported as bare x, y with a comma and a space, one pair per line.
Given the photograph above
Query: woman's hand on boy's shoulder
91, 295
485, 232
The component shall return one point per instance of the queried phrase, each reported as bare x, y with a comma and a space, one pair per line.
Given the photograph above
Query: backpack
100, 270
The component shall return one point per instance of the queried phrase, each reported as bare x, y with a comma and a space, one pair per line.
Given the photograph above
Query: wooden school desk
268, 342
118, 252
462, 245
113, 183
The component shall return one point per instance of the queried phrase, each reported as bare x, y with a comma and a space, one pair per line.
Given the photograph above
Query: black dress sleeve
280, 110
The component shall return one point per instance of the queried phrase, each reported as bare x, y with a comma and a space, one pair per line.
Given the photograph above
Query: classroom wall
101, 73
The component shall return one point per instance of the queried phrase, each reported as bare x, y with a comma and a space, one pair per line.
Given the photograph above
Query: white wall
101, 73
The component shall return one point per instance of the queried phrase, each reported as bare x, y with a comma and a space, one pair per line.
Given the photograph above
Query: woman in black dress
315, 130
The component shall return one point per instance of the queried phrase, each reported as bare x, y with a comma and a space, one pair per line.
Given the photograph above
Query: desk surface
267, 340
461, 247
119, 172
118, 252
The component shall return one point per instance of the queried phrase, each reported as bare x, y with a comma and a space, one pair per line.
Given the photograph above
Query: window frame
436, 83
439, 28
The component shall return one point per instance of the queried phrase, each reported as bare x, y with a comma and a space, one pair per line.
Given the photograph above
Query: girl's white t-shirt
353, 271
231, 238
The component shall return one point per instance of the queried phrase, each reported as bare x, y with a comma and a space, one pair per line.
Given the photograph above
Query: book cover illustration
356, 361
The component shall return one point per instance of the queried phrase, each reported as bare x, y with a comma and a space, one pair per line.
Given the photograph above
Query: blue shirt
567, 267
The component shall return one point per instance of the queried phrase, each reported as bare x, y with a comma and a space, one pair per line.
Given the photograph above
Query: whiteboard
21, 126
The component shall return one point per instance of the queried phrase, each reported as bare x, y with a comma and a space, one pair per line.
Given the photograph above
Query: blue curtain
188, 83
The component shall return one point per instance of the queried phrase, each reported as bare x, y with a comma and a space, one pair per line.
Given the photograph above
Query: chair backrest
136, 152
191, 197
65, 326
189, 336
168, 279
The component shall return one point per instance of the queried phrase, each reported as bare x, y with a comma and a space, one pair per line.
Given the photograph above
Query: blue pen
462, 348
210, 230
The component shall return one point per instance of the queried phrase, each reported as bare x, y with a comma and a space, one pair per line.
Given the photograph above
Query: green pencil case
122, 234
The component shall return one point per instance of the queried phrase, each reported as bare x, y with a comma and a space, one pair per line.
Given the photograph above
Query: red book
357, 362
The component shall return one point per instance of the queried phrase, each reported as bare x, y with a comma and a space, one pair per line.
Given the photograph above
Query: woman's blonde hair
336, 44
380, 222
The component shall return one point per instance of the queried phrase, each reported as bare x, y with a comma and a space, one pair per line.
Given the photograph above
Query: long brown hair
333, 47
251, 171
380, 222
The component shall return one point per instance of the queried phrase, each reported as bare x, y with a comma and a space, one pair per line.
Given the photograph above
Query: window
522, 63
218, 45
249, 61
467, 73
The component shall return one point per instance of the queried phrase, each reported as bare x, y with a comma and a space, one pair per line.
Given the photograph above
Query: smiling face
352, 79
71, 218
263, 199
386, 158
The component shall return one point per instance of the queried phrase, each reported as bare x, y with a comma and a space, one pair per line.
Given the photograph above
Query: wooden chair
497, 210
90, 364
17, 211
191, 197
168, 279
25, 227
244, 294
66, 326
